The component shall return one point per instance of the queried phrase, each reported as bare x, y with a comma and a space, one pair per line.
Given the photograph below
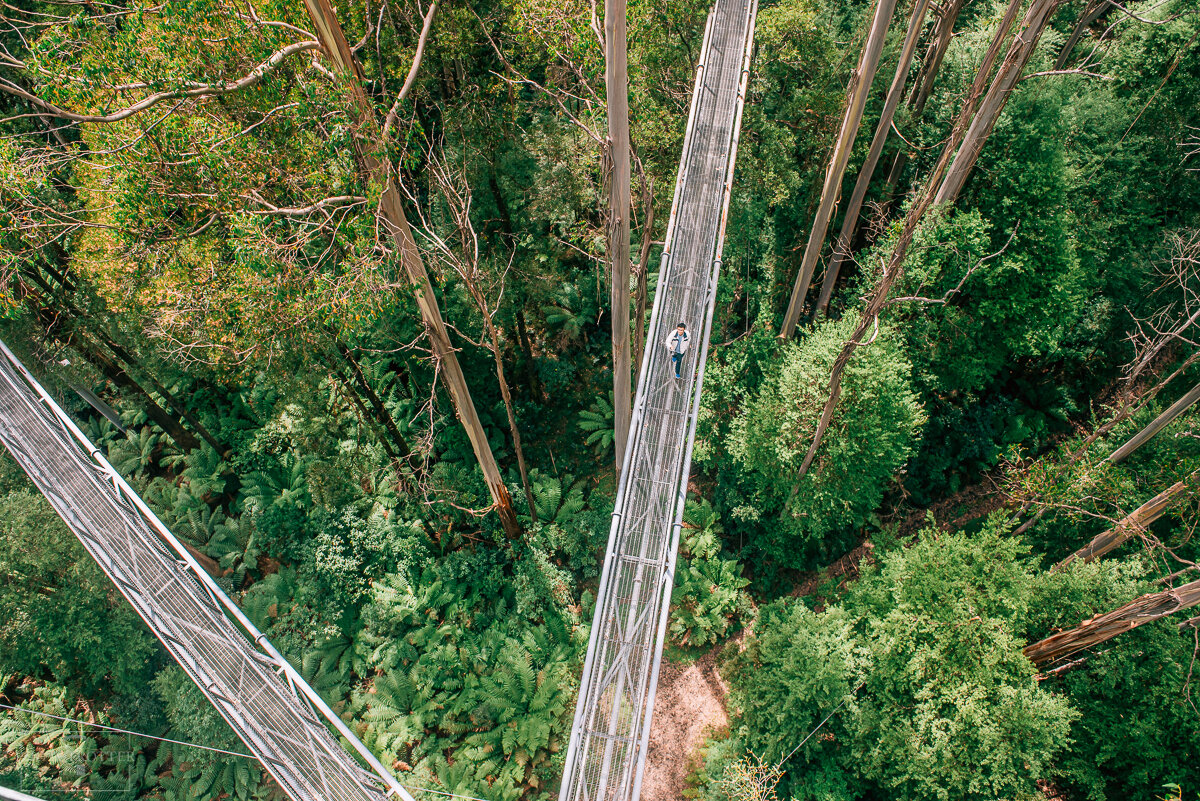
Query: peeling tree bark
1134, 523
924, 85
372, 154
616, 81
856, 99
993, 103
841, 250
1101, 628
1007, 76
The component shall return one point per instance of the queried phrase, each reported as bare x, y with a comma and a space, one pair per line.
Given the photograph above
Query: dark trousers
677, 362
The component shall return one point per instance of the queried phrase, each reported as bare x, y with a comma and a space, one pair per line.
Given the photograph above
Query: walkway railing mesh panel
607, 750
254, 691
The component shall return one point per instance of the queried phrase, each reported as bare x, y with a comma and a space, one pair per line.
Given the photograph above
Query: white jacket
675, 342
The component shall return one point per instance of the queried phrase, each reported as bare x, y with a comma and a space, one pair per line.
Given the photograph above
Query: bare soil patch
690, 702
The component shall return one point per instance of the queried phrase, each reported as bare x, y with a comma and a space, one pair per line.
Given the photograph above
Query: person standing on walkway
677, 343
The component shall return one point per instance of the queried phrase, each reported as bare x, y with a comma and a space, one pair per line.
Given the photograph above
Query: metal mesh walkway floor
262, 697
607, 751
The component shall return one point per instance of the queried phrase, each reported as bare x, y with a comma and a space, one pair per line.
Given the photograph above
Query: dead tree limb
191, 92
1134, 523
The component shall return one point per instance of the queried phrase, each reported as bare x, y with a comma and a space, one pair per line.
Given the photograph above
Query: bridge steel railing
267, 702
606, 754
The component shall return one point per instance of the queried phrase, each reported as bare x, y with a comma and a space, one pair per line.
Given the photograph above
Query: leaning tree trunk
1019, 53
616, 82
856, 99
1157, 424
1094, 11
1133, 523
924, 86
841, 250
124, 356
74, 337
641, 294
1101, 628
372, 153
968, 120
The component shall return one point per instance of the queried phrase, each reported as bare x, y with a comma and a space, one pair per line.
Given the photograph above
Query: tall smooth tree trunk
841, 250
372, 153
856, 100
924, 85
968, 120
1133, 523
1157, 424
620, 201
1007, 76
1101, 628
1094, 11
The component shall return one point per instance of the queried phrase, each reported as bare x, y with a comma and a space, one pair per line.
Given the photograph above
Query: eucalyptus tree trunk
1101, 628
1157, 424
372, 153
1133, 523
942, 37
856, 99
841, 250
1007, 75
74, 337
968, 120
616, 82
1094, 11
641, 294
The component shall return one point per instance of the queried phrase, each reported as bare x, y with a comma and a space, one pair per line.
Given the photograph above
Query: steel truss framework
264, 699
607, 751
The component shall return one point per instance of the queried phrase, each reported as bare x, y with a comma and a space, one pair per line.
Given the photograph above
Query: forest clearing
737, 400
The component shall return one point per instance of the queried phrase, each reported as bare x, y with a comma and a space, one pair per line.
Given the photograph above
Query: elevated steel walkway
277, 715
607, 752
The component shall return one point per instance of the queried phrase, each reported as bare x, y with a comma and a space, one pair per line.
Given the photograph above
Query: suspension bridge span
266, 701
606, 755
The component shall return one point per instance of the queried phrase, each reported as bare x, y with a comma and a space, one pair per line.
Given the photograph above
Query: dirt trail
690, 701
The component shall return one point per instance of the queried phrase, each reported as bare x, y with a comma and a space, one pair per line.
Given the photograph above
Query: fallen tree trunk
1134, 523
841, 250
856, 100
1101, 628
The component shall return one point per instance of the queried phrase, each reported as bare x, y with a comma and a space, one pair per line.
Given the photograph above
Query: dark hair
681, 325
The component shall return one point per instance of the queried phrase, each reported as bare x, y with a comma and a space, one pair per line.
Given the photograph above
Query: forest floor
690, 703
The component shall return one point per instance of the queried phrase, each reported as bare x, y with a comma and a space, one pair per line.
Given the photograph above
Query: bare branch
412, 71
194, 90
